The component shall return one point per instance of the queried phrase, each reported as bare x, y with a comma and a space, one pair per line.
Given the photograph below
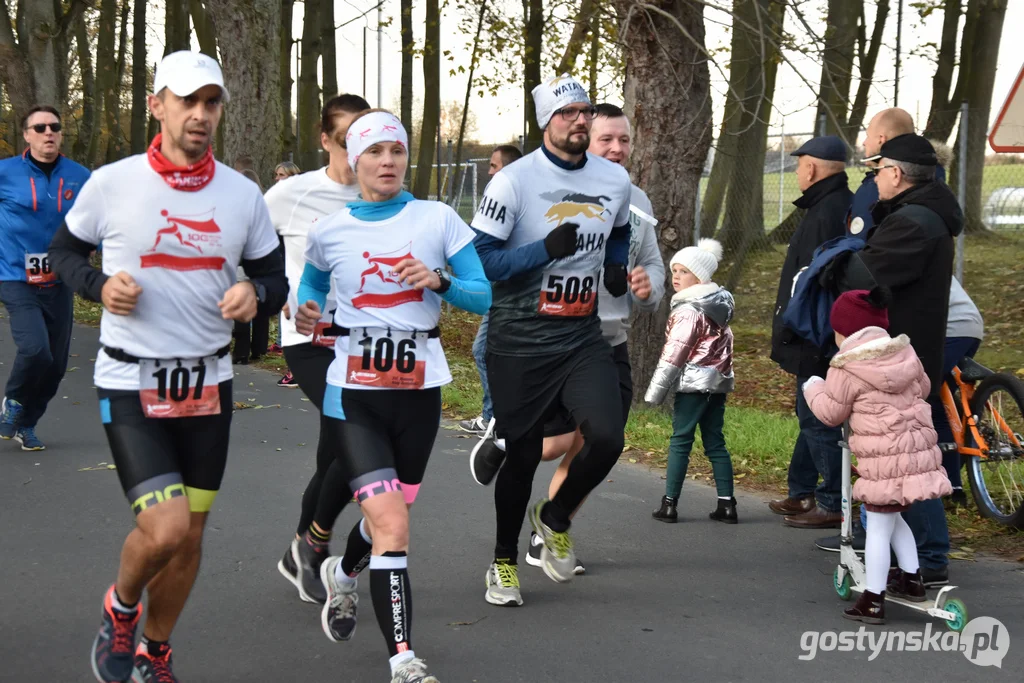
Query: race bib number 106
567, 293
181, 388
387, 359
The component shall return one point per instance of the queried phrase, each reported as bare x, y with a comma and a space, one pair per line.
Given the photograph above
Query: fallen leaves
100, 467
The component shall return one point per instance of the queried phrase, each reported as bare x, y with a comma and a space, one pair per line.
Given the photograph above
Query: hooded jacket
826, 202
911, 253
697, 357
879, 384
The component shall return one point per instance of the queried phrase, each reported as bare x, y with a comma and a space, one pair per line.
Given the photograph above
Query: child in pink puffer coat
879, 385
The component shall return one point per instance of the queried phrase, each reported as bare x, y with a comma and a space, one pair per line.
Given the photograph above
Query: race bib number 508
567, 293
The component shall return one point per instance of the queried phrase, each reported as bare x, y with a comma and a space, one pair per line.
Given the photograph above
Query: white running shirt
182, 248
295, 204
360, 256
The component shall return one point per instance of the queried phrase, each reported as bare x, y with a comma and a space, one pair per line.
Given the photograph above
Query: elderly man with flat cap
826, 198
911, 252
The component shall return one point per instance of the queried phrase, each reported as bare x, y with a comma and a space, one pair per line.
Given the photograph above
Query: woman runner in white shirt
385, 256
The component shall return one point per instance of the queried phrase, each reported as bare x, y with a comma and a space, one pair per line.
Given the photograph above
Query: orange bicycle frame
960, 428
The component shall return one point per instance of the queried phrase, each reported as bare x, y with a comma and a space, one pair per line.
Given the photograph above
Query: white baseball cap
184, 72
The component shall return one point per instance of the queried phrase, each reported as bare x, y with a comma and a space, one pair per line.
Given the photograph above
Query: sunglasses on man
41, 127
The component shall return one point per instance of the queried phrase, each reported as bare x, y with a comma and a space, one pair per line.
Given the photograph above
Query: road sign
1008, 131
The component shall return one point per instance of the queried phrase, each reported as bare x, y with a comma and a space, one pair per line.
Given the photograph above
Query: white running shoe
413, 671
503, 585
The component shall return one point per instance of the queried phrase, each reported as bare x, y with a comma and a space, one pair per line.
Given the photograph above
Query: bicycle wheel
997, 481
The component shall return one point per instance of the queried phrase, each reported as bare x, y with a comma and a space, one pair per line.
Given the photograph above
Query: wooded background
90, 58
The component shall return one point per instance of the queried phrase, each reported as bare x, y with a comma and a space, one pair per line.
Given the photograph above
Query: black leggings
382, 438
308, 365
585, 382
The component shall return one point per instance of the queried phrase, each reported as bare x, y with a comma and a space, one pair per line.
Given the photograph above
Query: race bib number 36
37, 269
387, 359
567, 293
179, 388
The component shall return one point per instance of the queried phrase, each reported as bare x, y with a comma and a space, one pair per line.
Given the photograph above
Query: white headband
371, 129
559, 92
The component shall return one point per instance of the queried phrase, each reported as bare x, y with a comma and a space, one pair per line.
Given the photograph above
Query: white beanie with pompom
701, 260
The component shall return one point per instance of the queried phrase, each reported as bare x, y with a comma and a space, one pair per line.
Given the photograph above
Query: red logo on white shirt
382, 268
185, 243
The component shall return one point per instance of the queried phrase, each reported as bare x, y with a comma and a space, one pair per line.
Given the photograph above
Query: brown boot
817, 518
870, 608
792, 505
907, 586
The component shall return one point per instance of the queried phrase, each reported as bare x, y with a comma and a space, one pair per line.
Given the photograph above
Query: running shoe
487, 456
10, 417
474, 426
287, 381
413, 671
338, 616
557, 558
26, 436
112, 660
286, 565
503, 585
533, 555
154, 668
276, 349
307, 559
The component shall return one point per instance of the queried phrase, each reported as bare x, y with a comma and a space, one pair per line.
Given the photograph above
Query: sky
500, 117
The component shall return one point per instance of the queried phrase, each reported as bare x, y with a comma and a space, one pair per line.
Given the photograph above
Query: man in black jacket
826, 197
911, 253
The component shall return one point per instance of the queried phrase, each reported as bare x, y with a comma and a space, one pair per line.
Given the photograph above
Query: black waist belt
125, 357
337, 331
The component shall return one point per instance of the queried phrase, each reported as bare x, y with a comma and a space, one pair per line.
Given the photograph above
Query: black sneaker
934, 578
286, 565
308, 557
154, 668
487, 457
831, 543
112, 660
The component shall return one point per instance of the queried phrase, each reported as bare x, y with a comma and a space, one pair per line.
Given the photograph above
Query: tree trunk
328, 49
867, 60
15, 71
942, 113
978, 94
595, 51
177, 34
408, 41
743, 226
533, 11
115, 140
105, 75
38, 44
86, 130
782, 232
253, 126
205, 32
578, 37
140, 86
469, 92
837, 64
667, 96
307, 139
287, 134
431, 99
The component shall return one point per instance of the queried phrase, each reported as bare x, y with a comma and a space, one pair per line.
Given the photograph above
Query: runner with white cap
550, 226
175, 224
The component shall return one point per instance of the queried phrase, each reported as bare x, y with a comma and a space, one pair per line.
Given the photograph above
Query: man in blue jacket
36, 191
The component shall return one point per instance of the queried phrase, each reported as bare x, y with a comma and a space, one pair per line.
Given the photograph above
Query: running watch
446, 280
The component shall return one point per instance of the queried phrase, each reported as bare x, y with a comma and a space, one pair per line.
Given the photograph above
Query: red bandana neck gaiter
185, 178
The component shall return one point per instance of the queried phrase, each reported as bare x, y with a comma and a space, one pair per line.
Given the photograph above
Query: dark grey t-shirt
553, 308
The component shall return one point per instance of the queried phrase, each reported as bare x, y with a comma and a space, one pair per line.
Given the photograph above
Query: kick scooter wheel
843, 587
957, 607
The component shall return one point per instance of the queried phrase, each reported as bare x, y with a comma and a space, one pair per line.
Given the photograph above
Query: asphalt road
696, 600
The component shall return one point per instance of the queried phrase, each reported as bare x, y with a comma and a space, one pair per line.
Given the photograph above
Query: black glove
615, 279
561, 241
